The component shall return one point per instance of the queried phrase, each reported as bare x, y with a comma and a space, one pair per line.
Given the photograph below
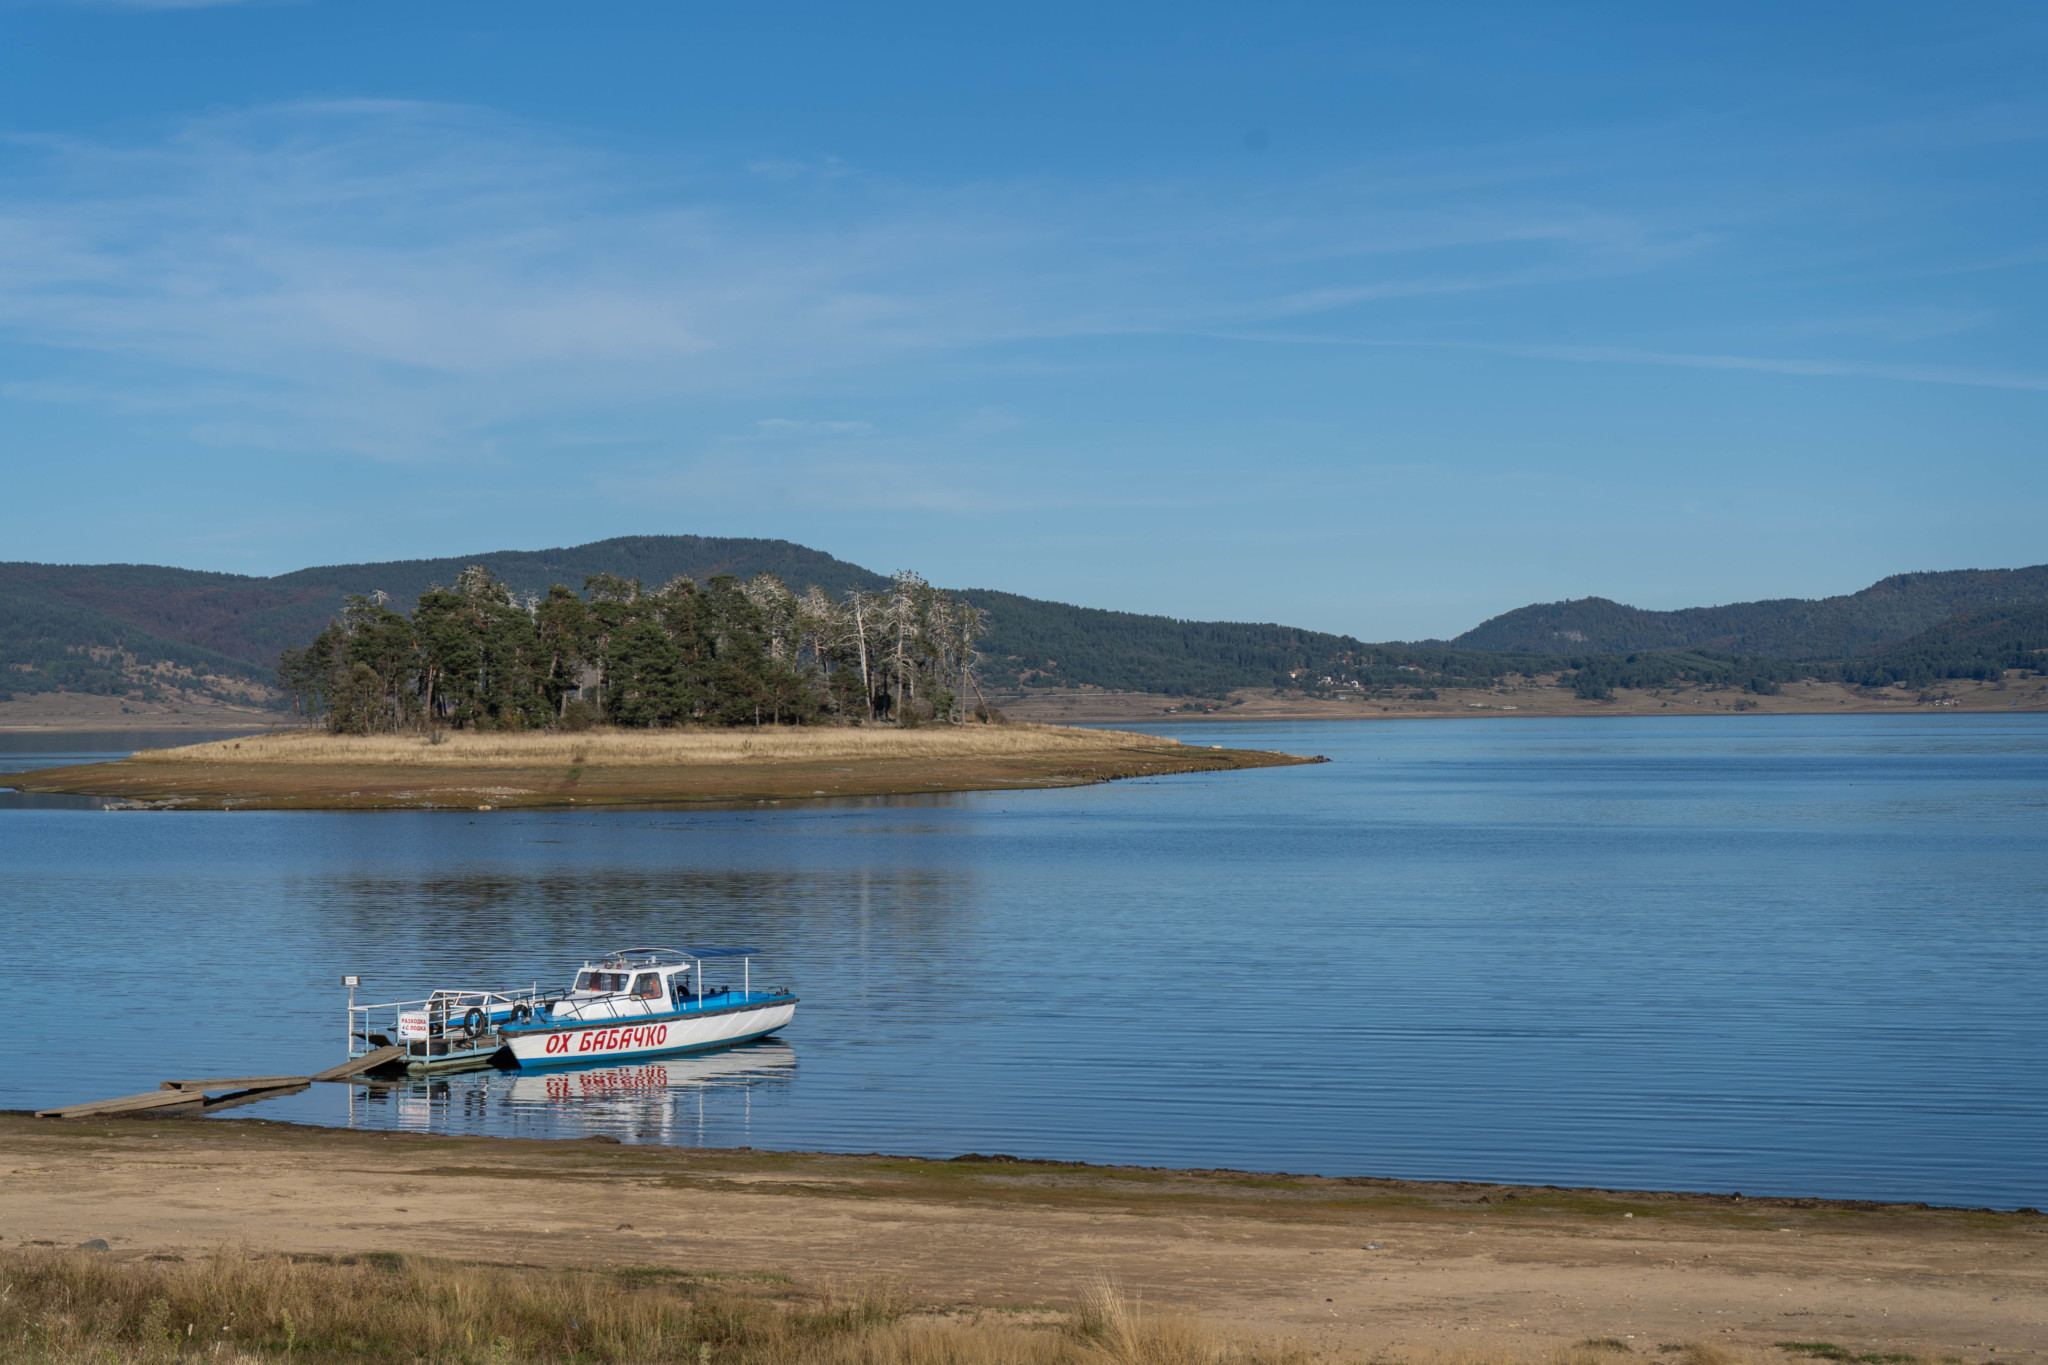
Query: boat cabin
641, 985
633, 982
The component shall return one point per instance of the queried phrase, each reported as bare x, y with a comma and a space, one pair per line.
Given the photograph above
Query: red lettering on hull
616, 1039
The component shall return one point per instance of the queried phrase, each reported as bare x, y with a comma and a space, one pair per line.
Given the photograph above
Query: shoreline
1346, 1265
1734, 1200
62, 713
610, 769
1536, 699
96, 727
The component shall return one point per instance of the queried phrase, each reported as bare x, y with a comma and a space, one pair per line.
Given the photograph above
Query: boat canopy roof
672, 957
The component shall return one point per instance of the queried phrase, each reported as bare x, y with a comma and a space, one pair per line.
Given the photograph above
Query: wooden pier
181, 1099
357, 1066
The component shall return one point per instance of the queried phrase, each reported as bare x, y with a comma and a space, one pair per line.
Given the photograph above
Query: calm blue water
1769, 954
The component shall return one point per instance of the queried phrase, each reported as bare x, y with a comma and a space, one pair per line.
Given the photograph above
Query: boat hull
580, 1044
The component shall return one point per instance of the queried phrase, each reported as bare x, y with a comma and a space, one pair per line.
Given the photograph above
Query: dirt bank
1364, 1266
311, 770
58, 712
1522, 699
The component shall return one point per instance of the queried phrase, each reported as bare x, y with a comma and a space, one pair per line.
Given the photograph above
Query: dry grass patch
235, 1308
659, 748
238, 1308
1596, 1351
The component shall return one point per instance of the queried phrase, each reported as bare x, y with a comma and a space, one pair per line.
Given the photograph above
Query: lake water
1787, 955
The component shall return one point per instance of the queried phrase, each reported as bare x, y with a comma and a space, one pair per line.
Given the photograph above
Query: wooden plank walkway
234, 1083
356, 1066
182, 1096
271, 1092
125, 1104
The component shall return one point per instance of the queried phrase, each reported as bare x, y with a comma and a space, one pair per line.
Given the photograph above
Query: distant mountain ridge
1037, 642
1885, 613
254, 619
112, 627
236, 625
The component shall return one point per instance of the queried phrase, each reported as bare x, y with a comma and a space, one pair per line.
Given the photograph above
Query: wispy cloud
405, 275
1902, 325
160, 4
1607, 257
406, 281
1630, 355
1910, 374
786, 426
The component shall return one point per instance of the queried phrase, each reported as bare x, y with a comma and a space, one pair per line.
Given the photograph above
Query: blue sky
1378, 319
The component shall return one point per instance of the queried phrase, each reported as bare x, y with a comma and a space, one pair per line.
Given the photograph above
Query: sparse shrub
1827, 1350
1711, 1353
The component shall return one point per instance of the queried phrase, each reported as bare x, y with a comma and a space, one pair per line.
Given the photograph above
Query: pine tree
724, 653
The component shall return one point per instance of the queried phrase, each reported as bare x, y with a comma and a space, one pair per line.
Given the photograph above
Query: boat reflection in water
704, 1099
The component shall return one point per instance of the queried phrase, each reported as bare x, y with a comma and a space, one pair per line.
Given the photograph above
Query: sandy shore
1456, 1267
58, 712
61, 711
1089, 706
311, 770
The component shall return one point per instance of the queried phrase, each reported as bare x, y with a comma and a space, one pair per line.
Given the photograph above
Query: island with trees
479, 698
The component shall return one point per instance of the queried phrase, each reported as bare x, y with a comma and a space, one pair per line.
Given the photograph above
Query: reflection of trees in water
484, 928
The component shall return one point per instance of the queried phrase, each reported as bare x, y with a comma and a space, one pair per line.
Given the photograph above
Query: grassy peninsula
314, 770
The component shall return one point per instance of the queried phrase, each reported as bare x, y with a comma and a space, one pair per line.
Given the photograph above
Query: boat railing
443, 1012
718, 998
725, 997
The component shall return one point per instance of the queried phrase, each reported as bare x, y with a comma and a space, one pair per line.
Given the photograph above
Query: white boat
629, 1005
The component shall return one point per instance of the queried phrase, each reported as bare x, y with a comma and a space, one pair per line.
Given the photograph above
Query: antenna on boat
350, 1034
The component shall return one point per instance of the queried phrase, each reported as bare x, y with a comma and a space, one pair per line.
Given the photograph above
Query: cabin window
604, 983
648, 987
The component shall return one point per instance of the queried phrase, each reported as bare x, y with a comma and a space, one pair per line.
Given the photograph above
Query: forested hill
2007, 637
653, 560
254, 619
1885, 613
239, 625
50, 646
1032, 642
81, 626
